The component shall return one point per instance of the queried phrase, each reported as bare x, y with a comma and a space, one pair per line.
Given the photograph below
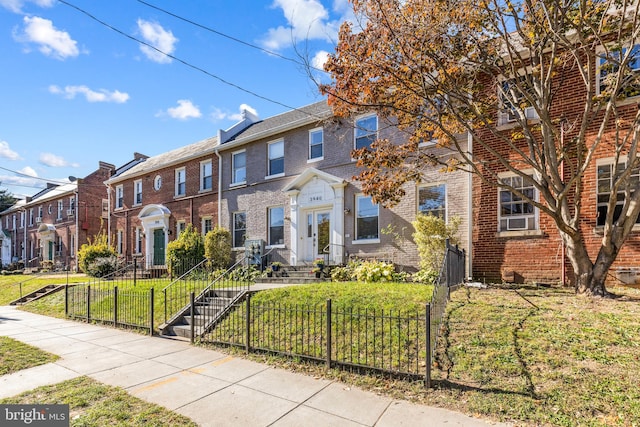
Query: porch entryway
155, 226
318, 234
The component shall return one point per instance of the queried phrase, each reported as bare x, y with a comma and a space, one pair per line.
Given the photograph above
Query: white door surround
153, 217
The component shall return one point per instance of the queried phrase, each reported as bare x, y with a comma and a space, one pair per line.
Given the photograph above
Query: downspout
470, 208
219, 186
109, 214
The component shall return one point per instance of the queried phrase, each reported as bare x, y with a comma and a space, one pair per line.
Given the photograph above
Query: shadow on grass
450, 385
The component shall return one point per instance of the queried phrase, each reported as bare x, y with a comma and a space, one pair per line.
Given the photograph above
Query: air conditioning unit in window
71, 212
38, 219
511, 116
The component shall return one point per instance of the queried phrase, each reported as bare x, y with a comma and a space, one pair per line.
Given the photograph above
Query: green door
158, 246
50, 251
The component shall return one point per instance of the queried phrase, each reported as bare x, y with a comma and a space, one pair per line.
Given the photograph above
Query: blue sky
75, 92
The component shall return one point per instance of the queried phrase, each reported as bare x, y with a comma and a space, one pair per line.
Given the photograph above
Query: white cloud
319, 59
7, 153
185, 110
218, 114
102, 95
22, 180
16, 5
51, 41
307, 20
158, 37
54, 161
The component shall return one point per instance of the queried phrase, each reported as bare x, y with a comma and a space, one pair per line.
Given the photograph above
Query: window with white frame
50, 209
609, 66
276, 226
72, 206
432, 199
367, 214
60, 208
316, 144
22, 219
105, 208
366, 131
30, 217
206, 175
181, 182
515, 213
180, 227
119, 242
39, 217
207, 225
137, 192
239, 229
59, 245
239, 167
138, 248
607, 173
512, 95
276, 158
14, 222
119, 197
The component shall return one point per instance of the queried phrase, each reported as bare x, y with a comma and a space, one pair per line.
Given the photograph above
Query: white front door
318, 234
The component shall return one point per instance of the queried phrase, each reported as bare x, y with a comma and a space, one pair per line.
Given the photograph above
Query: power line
227, 36
188, 64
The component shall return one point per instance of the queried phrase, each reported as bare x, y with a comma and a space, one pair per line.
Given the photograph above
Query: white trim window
206, 175
609, 66
30, 217
606, 177
119, 196
366, 131
239, 229
367, 219
316, 144
120, 242
138, 248
72, 206
511, 93
60, 209
239, 167
181, 182
180, 227
39, 217
137, 192
23, 216
432, 199
207, 225
276, 226
276, 158
514, 212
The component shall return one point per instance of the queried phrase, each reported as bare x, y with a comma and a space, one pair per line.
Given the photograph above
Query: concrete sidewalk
210, 387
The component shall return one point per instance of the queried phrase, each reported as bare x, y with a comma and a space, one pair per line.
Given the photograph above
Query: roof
54, 193
163, 160
282, 122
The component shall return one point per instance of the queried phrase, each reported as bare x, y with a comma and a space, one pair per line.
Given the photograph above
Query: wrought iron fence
132, 308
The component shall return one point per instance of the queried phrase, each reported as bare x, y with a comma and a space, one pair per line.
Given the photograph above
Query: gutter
470, 208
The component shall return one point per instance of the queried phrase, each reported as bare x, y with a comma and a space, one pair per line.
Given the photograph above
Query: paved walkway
210, 387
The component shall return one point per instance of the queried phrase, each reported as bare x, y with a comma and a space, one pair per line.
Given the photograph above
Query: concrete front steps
292, 274
210, 309
37, 294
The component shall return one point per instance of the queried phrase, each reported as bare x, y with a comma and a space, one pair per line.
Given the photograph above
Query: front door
158, 246
318, 234
50, 256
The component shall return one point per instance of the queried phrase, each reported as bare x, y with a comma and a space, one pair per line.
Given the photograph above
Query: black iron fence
131, 308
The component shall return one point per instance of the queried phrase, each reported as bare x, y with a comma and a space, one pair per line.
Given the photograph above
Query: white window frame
359, 132
60, 209
119, 196
137, 192
30, 217
506, 118
23, 217
119, 242
359, 197
534, 216
270, 174
203, 170
203, 222
180, 172
444, 209
270, 226
599, 65
72, 206
138, 247
180, 227
234, 169
313, 132
234, 230
609, 162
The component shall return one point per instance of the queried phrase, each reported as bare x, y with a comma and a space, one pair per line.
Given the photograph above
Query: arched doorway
155, 225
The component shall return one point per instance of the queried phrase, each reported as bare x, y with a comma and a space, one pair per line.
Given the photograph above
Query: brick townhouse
47, 228
520, 243
152, 199
287, 186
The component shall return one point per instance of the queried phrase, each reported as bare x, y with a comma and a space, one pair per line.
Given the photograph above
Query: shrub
245, 274
89, 253
425, 276
367, 271
217, 247
185, 252
103, 266
430, 235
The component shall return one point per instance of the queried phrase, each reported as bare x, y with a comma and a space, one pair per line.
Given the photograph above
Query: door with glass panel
318, 234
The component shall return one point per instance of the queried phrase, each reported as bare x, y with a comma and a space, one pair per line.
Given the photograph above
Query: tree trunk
589, 277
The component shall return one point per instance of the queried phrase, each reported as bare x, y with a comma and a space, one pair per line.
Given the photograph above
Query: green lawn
94, 404
10, 285
15, 356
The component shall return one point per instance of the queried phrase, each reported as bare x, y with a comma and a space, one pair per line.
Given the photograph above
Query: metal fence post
115, 306
151, 310
164, 291
329, 333
135, 270
247, 348
427, 375
193, 316
66, 300
88, 303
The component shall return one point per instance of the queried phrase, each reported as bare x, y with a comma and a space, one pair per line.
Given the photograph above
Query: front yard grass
95, 404
16, 355
10, 284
